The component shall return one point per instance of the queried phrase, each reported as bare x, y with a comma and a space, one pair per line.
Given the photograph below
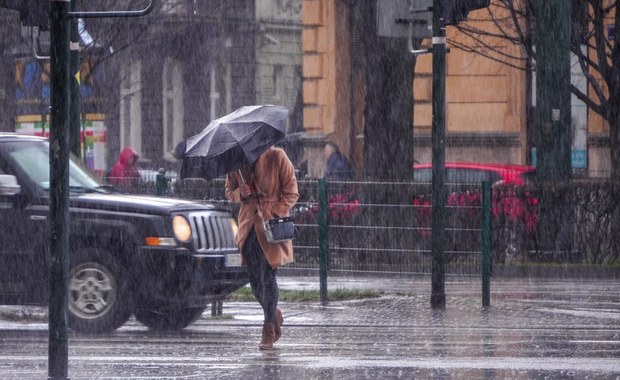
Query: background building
152, 81
490, 91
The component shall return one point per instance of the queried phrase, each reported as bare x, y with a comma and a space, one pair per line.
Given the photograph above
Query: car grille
212, 232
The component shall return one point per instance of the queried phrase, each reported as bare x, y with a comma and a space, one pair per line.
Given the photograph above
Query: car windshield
33, 158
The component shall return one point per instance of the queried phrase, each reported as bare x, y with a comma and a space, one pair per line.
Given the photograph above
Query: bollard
161, 183
217, 308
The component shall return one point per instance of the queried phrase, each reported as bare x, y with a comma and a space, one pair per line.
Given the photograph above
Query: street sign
404, 18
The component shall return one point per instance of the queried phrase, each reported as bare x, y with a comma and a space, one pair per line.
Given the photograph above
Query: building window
131, 106
277, 81
172, 100
214, 94
228, 87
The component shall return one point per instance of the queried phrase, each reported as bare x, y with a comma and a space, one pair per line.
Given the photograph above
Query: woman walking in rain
269, 184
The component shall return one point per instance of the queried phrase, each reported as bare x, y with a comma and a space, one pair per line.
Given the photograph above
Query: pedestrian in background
124, 173
269, 184
179, 153
337, 167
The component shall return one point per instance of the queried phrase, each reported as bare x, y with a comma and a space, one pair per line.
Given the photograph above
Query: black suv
161, 259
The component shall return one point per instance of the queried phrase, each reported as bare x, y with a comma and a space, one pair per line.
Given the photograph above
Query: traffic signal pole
438, 293
60, 105
444, 12
60, 132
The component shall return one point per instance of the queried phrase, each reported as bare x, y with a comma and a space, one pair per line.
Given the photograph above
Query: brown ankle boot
278, 322
268, 337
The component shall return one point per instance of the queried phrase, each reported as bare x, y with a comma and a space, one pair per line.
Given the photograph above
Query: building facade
490, 91
153, 81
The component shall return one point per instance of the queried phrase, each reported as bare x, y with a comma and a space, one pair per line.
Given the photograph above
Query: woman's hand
245, 190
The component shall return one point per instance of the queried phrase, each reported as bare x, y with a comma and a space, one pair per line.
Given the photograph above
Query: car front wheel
98, 296
169, 320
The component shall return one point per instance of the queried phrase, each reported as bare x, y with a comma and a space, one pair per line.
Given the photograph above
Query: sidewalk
534, 329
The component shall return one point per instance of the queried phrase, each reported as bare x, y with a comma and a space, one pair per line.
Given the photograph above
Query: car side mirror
8, 185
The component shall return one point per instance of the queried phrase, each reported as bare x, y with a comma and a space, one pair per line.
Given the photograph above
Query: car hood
141, 203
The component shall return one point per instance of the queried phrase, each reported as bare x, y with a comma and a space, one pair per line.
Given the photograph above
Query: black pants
262, 276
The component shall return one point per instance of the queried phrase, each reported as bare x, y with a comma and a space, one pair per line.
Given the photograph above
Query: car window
461, 175
423, 175
457, 175
33, 161
33, 158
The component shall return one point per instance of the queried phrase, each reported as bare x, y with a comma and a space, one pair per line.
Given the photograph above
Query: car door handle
38, 217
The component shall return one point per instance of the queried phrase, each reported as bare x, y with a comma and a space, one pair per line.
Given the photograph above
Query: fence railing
370, 226
377, 227
386, 226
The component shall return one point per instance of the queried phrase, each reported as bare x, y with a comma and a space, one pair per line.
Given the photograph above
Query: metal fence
385, 227
377, 227
370, 226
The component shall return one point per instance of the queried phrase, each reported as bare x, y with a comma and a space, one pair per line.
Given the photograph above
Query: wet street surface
534, 329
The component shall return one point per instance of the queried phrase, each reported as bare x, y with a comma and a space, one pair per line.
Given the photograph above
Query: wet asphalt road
534, 329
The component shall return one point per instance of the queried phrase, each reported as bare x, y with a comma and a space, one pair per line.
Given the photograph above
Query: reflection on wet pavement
533, 330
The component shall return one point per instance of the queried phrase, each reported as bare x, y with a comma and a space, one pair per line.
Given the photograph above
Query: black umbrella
235, 140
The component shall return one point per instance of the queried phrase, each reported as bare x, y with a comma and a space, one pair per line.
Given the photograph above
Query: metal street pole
438, 293
60, 33
59, 190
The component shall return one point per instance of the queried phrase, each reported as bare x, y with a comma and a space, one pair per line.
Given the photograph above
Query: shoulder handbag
279, 229
276, 229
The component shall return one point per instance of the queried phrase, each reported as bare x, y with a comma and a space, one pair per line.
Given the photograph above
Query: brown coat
275, 178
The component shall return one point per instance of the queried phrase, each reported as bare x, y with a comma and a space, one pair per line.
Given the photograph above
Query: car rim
91, 291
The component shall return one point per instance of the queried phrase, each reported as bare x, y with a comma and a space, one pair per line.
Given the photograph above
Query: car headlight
235, 227
182, 229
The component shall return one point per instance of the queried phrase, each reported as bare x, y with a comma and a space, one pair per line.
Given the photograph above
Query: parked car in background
513, 208
468, 172
161, 259
377, 215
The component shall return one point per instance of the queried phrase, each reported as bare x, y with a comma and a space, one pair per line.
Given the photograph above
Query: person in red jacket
125, 173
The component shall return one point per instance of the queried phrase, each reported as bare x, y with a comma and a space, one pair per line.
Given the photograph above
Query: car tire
99, 299
169, 320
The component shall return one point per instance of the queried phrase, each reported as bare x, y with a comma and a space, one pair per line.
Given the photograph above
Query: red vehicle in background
468, 172
513, 208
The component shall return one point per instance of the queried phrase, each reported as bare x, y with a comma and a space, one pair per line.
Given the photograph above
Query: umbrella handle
256, 194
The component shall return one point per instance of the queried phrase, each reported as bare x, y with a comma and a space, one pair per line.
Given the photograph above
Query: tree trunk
613, 118
388, 129
614, 142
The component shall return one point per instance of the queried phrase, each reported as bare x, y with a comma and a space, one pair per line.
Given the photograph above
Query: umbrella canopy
235, 140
